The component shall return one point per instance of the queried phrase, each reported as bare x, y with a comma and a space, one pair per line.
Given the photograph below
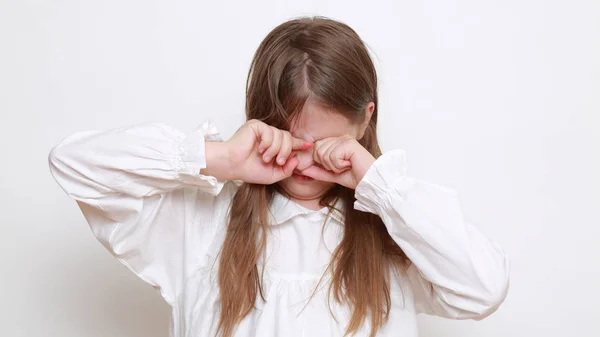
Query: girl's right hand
257, 153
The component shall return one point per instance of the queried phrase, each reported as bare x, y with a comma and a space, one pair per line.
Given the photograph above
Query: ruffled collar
283, 209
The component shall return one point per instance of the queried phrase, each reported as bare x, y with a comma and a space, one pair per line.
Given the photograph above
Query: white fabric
140, 190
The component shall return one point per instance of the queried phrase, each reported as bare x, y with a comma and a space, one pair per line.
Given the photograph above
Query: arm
141, 160
129, 183
456, 272
217, 161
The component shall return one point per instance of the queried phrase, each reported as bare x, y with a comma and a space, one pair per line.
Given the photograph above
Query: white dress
141, 191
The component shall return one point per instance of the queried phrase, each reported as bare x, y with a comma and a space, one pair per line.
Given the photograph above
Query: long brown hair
324, 60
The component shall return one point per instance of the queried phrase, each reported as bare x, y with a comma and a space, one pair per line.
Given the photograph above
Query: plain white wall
497, 99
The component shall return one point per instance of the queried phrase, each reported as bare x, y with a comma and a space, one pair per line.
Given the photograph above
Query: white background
497, 99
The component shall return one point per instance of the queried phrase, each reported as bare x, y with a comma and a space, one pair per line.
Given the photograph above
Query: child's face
314, 123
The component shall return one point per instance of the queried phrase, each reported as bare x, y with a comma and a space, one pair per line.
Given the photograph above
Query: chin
304, 190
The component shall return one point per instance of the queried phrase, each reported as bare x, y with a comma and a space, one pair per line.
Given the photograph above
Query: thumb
287, 169
319, 173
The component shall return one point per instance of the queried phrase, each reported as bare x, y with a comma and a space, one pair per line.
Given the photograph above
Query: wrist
217, 161
364, 161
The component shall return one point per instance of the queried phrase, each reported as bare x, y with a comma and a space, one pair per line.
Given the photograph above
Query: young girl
297, 225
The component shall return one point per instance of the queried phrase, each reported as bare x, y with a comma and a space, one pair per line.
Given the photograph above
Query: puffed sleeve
141, 191
456, 272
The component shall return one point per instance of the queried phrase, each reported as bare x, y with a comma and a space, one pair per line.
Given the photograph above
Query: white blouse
141, 191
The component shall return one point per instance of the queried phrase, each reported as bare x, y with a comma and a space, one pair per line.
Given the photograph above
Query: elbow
482, 299
476, 306
61, 165
56, 159
62, 156
56, 165
59, 150
54, 154
492, 301
494, 293
66, 149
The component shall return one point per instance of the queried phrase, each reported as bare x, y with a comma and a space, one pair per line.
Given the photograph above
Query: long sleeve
141, 191
455, 271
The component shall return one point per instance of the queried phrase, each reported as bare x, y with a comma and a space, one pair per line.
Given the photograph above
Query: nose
305, 158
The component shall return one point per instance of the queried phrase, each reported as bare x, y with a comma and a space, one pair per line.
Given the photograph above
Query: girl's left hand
344, 161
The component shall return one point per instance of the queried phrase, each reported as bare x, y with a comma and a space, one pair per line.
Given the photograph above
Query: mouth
300, 177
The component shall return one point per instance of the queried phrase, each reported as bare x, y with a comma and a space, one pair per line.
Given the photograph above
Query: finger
266, 137
286, 170
321, 174
273, 149
290, 166
286, 148
336, 156
341, 165
327, 158
345, 163
300, 144
338, 159
322, 154
315, 155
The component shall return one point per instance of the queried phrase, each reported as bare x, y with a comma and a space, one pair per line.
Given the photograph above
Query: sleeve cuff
191, 158
387, 175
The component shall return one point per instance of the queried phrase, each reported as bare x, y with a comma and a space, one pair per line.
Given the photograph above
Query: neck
308, 203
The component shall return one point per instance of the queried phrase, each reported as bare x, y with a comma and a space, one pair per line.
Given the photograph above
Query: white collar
283, 209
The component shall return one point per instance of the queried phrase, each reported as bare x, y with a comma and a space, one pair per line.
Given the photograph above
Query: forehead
317, 122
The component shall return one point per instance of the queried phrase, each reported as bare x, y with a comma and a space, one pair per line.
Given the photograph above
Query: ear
368, 113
